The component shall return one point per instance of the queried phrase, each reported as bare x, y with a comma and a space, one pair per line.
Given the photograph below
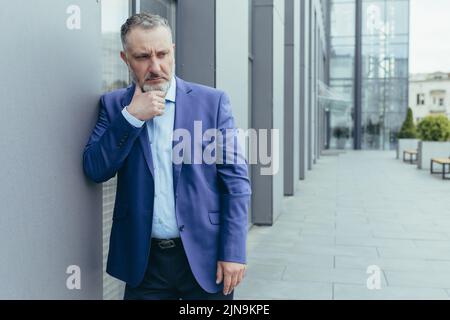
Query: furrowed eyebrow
141, 55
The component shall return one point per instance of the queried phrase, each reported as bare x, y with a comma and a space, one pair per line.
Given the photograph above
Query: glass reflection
384, 71
342, 69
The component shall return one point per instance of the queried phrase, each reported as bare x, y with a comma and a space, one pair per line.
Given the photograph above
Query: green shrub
408, 130
434, 128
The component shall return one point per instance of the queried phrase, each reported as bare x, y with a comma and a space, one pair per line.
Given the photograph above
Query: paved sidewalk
355, 210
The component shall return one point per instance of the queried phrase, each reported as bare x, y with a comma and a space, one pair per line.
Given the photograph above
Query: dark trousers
169, 277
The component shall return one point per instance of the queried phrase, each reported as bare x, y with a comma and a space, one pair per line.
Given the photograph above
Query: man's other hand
231, 274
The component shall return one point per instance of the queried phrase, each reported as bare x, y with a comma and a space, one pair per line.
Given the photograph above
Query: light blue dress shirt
160, 133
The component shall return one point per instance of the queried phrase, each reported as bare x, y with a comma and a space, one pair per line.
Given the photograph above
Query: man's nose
154, 66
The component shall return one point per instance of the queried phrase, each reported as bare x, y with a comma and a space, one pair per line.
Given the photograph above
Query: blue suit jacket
211, 200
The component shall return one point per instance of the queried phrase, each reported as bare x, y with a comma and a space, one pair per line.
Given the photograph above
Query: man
179, 229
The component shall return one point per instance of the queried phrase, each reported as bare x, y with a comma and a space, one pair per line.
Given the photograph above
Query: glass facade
342, 70
383, 66
385, 30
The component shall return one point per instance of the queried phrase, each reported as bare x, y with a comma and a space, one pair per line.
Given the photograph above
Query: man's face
149, 54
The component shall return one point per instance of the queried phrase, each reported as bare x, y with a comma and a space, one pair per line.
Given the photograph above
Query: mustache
153, 76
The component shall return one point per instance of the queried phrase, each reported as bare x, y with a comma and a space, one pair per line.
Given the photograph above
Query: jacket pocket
120, 212
214, 217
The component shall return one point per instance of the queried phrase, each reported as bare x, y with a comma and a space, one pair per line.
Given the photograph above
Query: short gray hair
143, 20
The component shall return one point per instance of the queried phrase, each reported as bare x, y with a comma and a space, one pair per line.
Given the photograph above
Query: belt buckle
166, 244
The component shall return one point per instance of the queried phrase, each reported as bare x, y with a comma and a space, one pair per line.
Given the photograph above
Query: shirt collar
172, 92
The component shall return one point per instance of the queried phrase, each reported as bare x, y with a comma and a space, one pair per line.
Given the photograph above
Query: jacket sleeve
108, 146
234, 189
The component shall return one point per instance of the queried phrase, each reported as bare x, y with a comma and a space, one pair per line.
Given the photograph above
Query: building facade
369, 56
429, 94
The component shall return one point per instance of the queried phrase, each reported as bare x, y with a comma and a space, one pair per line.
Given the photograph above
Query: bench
412, 155
444, 162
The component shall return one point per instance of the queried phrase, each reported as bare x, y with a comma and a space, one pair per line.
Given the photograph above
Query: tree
408, 130
434, 128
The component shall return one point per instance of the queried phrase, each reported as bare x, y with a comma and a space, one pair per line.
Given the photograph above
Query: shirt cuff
131, 119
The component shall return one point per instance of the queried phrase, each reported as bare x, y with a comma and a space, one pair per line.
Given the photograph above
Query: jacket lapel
143, 136
181, 107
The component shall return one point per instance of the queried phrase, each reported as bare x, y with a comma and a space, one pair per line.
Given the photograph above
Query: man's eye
162, 54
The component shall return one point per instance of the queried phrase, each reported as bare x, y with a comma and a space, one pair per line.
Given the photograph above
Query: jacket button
181, 228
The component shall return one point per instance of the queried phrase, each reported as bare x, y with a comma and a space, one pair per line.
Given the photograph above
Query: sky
429, 36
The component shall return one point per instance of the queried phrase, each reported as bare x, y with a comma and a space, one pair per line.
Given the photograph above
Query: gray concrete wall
51, 216
430, 149
232, 39
289, 98
296, 113
292, 97
268, 103
404, 144
278, 100
303, 92
195, 40
310, 83
262, 97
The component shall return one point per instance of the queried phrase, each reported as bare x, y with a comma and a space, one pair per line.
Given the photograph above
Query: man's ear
123, 55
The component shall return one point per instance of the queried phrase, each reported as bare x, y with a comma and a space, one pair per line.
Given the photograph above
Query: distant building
429, 94
369, 58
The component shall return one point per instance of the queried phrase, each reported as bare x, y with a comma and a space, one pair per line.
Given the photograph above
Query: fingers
160, 94
159, 102
227, 283
158, 97
219, 274
240, 277
234, 281
160, 107
231, 274
159, 112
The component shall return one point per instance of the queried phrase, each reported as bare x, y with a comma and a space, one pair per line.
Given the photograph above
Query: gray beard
161, 87
148, 88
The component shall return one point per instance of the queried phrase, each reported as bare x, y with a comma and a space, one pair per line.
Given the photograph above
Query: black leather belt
167, 243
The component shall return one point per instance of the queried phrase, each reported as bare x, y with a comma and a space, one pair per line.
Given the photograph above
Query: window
441, 102
420, 99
